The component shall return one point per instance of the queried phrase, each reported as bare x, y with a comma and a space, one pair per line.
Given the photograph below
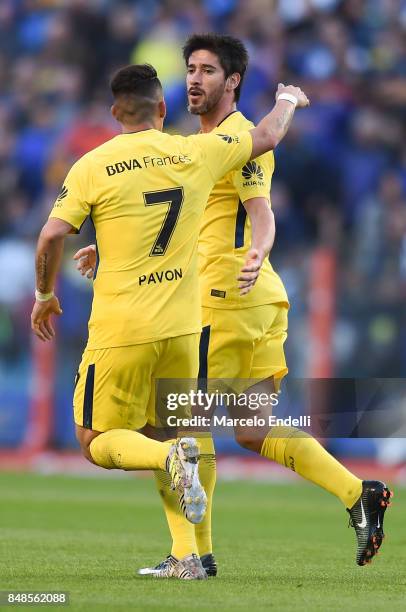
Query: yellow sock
303, 454
207, 475
182, 532
128, 450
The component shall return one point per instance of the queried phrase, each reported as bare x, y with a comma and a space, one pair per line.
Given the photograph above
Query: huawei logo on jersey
252, 170
229, 139
253, 174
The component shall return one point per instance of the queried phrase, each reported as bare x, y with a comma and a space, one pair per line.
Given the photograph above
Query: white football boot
182, 465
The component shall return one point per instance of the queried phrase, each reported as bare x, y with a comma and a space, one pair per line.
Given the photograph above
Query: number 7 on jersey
173, 197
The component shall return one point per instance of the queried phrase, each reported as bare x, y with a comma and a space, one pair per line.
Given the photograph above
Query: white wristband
43, 297
288, 97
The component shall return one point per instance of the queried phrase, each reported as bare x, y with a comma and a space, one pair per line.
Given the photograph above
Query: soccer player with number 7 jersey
145, 192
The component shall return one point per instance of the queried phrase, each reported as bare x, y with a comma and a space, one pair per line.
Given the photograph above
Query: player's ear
162, 109
233, 81
114, 112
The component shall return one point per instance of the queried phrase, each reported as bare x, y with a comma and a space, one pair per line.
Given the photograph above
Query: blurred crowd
340, 177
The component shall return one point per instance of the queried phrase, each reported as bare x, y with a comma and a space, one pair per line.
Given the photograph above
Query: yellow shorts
244, 344
115, 387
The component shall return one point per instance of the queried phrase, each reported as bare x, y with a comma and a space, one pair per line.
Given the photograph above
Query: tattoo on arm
42, 272
284, 120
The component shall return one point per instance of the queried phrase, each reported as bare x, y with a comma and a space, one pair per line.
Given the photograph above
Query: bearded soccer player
243, 335
146, 192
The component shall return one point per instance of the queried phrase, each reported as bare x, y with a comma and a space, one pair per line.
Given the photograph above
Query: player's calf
250, 441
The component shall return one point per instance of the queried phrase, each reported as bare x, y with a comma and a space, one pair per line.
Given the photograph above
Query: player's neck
139, 127
211, 120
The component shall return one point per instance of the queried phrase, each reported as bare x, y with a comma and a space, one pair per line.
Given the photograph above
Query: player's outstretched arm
273, 127
47, 263
262, 239
86, 260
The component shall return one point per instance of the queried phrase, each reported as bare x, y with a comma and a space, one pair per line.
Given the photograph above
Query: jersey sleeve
225, 152
253, 180
72, 204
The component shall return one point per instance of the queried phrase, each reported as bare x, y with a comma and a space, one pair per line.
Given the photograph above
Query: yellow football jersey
225, 235
146, 193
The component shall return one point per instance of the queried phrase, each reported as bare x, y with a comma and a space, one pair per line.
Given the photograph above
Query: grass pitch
279, 547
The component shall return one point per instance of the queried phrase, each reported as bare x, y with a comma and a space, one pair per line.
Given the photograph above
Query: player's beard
209, 102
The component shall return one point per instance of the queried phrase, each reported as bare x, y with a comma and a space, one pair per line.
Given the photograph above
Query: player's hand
250, 271
302, 99
41, 318
86, 260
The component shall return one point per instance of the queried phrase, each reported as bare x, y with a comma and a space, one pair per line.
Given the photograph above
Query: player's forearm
49, 253
48, 261
272, 128
270, 131
262, 225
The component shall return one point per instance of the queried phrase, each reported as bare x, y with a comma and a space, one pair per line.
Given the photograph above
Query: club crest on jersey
253, 174
229, 139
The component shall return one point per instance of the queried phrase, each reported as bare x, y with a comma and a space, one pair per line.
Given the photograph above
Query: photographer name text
251, 421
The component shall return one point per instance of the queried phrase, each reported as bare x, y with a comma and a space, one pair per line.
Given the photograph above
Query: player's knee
247, 440
85, 450
86, 453
84, 437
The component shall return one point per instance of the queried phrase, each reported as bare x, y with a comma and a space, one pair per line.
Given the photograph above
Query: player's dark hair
136, 89
231, 52
137, 79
